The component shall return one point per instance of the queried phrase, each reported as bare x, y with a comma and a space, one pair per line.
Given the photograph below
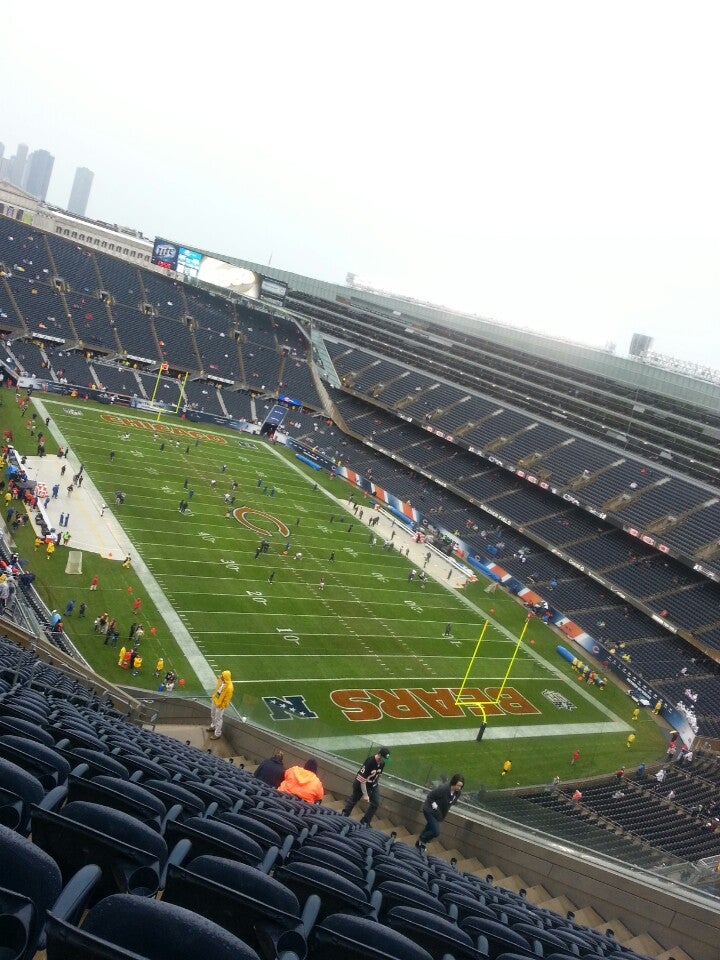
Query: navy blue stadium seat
14, 726
256, 908
122, 795
95, 761
345, 846
131, 855
336, 892
43, 762
550, 940
125, 928
500, 938
213, 838
468, 906
331, 860
30, 884
387, 869
260, 832
18, 791
396, 893
436, 934
357, 938
173, 793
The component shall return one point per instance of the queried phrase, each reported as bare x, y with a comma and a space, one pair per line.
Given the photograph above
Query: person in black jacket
436, 807
271, 771
366, 786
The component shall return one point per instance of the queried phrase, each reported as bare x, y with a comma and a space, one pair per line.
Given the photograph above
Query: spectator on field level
303, 782
272, 770
437, 806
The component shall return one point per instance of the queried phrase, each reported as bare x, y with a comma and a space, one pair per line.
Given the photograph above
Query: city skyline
80, 191
32, 171
38, 172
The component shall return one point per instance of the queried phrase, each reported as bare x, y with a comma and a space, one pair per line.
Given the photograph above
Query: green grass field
359, 662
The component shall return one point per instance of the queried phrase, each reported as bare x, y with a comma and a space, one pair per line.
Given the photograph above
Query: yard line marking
243, 613
385, 678
409, 738
357, 656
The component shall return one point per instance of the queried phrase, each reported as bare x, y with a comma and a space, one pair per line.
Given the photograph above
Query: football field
327, 638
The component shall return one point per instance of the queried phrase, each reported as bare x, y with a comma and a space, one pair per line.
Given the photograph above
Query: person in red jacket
303, 782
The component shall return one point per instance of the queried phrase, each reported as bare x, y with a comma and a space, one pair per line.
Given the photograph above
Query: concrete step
470, 865
674, 953
192, 734
560, 905
589, 917
196, 736
404, 835
380, 823
436, 849
514, 883
242, 762
537, 895
620, 931
495, 872
644, 944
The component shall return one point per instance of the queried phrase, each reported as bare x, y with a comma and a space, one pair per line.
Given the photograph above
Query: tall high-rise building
39, 170
17, 165
80, 193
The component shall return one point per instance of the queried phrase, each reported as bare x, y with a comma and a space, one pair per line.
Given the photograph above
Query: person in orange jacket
220, 700
303, 782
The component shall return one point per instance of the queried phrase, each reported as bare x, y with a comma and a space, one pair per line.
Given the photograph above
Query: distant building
17, 165
80, 193
38, 172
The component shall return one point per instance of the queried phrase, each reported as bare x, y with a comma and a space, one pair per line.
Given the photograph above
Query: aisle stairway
537, 895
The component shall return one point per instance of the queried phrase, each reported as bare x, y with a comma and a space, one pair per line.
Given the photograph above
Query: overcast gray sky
553, 165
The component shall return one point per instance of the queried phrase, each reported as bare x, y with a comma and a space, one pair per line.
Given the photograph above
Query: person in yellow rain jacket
220, 700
